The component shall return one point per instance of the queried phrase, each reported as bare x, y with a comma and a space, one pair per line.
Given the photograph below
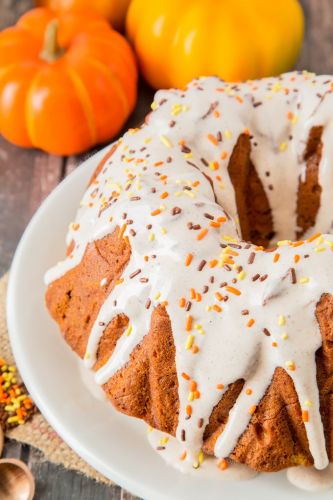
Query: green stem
51, 50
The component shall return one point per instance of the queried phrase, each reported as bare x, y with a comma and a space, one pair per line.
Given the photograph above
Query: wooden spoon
16, 480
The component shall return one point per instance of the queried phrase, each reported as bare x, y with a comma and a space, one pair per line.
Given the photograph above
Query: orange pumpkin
113, 10
67, 83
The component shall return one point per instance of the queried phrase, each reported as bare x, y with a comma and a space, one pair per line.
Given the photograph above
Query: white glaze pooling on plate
189, 134
311, 479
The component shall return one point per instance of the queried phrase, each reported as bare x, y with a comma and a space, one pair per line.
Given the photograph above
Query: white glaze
228, 348
310, 479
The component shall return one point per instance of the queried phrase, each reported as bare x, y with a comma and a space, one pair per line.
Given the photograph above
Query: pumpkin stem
51, 50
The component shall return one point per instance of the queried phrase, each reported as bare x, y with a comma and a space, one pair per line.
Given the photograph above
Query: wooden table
27, 177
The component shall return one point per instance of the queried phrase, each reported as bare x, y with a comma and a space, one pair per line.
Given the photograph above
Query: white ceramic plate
113, 444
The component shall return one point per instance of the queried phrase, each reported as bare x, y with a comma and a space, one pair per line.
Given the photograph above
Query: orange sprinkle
120, 281
239, 99
276, 257
221, 219
274, 344
195, 349
305, 416
213, 263
233, 290
218, 296
223, 464
229, 261
314, 237
155, 212
193, 386
298, 243
164, 195
181, 142
188, 325
290, 115
183, 455
196, 394
216, 114
188, 259
214, 165
213, 223
250, 323
185, 376
146, 258
158, 163
198, 297
189, 410
217, 308
252, 409
296, 258
212, 139
220, 387
196, 183
248, 392
193, 293
122, 230
182, 302
164, 303
224, 155
202, 234
231, 252
163, 177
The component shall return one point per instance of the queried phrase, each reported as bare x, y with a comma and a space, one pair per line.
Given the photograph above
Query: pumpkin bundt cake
198, 283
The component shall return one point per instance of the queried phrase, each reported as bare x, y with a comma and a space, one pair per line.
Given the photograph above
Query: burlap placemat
37, 431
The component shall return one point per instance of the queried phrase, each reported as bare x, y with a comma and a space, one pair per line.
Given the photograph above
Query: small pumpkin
113, 10
67, 82
178, 40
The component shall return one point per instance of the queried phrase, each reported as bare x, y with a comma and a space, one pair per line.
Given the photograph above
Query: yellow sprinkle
164, 440
157, 296
276, 87
281, 320
228, 238
190, 396
241, 275
163, 230
283, 243
283, 146
150, 429
197, 326
12, 420
201, 457
188, 155
320, 249
151, 236
154, 105
227, 134
189, 342
128, 330
147, 140
208, 308
290, 365
165, 141
284, 336
304, 280
88, 355
308, 403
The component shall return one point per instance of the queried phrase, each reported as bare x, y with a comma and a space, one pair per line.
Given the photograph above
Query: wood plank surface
26, 178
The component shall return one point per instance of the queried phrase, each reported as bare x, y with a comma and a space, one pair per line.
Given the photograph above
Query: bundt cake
198, 283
